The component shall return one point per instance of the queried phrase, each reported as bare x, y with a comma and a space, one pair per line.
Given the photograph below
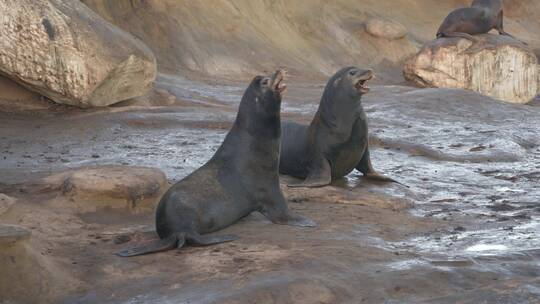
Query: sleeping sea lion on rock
241, 177
336, 141
481, 17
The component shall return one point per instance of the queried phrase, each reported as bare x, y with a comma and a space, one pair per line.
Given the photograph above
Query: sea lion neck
338, 108
256, 132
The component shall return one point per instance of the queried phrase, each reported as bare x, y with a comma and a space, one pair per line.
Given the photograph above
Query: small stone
121, 239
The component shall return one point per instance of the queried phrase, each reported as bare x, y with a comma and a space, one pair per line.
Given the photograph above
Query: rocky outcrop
495, 66
119, 187
235, 38
63, 50
385, 29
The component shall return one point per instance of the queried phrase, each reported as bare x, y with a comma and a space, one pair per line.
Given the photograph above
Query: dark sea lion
336, 141
240, 178
481, 17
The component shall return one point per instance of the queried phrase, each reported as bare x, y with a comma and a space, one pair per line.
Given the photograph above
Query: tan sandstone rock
118, 187
495, 66
6, 203
28, 273
63, 50
385, 29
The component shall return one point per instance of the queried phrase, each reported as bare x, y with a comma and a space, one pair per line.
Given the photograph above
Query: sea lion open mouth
361, 85
278, 79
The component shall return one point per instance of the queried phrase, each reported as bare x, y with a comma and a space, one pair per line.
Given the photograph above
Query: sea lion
240, 178
481, 17
336, 141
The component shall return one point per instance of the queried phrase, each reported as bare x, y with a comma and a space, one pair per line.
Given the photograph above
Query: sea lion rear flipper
320, 175
457, 35
206, 240
169, 243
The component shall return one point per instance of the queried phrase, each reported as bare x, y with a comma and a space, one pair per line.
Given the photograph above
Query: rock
28, 274
119, 187
11, 234
496, 66
385, 29
155, 98
14, 97
63, 50
538, 80
6, 203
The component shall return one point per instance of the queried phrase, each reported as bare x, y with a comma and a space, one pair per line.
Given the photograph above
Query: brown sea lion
336, 141
240, 178
481, 17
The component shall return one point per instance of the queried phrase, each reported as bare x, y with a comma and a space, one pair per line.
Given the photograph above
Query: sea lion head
261, 103
343, 93
348, 84
353, 80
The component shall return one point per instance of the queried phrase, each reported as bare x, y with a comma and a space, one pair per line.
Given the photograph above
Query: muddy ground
466, 230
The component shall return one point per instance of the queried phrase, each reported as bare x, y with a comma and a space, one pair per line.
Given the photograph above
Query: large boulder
63, 50
497, 66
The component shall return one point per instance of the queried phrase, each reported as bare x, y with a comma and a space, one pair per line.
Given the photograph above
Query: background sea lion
481, 17
336, 141
241, 177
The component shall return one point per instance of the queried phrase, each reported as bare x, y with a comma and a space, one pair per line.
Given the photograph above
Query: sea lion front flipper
157, 246
320, 175
206, 240
278, 212
367, 170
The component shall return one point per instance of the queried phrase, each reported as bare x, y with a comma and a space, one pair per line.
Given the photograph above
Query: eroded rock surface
63, 50
496, 66
119, 187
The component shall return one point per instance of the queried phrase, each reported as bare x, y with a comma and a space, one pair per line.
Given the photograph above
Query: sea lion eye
265, 82
352, 72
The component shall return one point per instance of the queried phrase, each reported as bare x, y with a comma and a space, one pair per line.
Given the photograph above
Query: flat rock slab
63, 50
132, 188
6, 202
496, 66
11, 234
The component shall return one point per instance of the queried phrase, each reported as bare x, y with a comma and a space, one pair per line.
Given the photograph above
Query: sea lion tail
171, 242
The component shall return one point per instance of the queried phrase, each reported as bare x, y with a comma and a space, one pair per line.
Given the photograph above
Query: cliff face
239, 37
